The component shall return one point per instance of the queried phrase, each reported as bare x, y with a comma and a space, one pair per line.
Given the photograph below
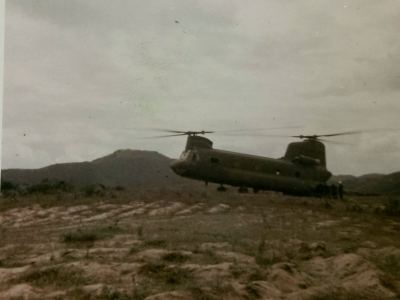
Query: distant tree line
47, 186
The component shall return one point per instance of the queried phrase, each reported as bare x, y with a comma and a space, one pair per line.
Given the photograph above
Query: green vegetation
79, 237
175, 257
392, 206
7, 186
390, 264
105, 294
160, 243
50, 186
170, 275
94, 190
207, 257
90, 234
343, 295
56, 276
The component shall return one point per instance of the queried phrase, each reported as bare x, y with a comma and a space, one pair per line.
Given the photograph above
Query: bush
50, 186
8, 186
90, 235
390, 265
119, 188
169, 275
57, 276
94, 190
175, 257
79, 237
392, 207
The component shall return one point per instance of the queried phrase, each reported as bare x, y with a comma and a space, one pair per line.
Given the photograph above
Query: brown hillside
127, 168
372, 183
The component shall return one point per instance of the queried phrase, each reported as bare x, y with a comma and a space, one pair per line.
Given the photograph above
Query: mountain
128, 168
135, 168
371, 183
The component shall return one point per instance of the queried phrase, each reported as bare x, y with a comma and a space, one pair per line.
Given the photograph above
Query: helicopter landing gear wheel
243, 190
221, 188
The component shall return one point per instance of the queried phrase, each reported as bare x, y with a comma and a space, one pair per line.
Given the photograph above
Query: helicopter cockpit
189, 156
185, 162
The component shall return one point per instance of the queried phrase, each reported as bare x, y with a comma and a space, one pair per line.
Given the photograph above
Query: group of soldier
334, 191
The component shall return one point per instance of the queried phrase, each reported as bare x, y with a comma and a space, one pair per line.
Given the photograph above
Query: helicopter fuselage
301, 175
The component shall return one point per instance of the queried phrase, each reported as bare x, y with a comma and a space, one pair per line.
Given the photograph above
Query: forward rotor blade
256, 135
164, 136
222, 131
255, 129
188, 132
203, 132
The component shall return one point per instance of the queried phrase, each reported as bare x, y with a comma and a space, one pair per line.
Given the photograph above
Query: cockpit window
183, 155
189, 155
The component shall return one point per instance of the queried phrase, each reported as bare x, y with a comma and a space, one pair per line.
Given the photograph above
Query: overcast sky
82, 78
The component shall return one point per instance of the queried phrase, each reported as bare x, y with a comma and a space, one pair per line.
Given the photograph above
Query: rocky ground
197, 244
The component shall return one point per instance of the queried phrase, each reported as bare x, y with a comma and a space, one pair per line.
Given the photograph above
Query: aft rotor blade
335, 142
361, 131
153, 129
342, 133
316, 136
166, 130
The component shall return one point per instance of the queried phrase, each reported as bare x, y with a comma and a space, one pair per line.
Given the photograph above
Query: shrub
392, 207
390, 264
79, 237
156, 243
8, 186
50, 186
176, 257
169, 275
119, 188
57, 276
94, 190
90, 235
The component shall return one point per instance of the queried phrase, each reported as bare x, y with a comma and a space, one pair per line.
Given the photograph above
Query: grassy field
197, 243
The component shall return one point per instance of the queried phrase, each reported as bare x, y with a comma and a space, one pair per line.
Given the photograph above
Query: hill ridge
125, 167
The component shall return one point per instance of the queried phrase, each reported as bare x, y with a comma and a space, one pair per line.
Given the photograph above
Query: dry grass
205, 243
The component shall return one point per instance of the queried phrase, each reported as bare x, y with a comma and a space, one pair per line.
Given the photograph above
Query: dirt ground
188, 243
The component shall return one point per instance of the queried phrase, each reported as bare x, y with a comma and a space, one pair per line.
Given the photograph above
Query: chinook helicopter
301, 171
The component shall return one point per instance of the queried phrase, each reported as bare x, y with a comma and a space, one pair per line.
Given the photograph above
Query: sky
85, 78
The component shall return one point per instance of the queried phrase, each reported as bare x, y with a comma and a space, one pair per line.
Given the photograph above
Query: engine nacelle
306, 160
198, 142
308, 152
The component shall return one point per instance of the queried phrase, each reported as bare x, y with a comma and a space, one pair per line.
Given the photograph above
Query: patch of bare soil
198, 244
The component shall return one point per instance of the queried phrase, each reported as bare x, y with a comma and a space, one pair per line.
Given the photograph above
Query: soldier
334, 191
340, 190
